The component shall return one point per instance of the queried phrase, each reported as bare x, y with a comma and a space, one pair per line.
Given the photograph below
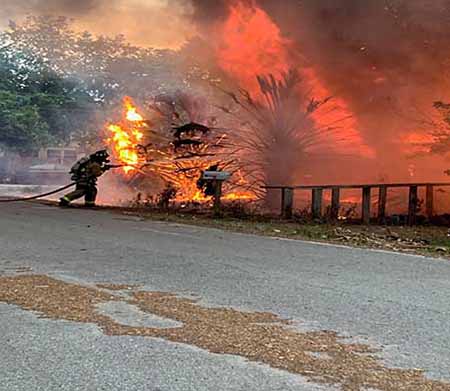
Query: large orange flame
251, 44
126, 137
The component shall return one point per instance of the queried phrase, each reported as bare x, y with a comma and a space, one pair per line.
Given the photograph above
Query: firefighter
85, 173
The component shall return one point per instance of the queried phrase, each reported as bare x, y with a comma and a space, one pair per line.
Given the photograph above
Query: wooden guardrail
287, 199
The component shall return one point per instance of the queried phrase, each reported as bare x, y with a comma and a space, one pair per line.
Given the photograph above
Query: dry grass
322, 357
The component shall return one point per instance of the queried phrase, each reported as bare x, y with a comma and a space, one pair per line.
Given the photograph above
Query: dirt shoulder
422, 240
431, 241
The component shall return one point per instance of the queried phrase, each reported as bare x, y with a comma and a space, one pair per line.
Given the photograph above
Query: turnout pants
88, 191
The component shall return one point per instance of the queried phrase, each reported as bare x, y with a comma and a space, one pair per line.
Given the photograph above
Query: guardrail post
335, 202
412, 205
317, 203
287, 202
430, 201
217, 198
366, 204
317, 199
382, 198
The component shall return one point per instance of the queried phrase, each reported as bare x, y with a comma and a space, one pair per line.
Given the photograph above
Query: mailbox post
216, 178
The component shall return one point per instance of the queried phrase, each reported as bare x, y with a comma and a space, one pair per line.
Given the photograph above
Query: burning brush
177, 158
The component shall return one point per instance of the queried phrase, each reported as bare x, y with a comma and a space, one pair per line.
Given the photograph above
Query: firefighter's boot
64, 201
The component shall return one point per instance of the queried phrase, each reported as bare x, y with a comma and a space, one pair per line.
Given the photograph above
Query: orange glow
198, 196
418, 138
250, 44
239, 196
342, 116
126, 137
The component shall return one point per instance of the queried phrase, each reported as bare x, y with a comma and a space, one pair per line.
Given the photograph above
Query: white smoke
155, 23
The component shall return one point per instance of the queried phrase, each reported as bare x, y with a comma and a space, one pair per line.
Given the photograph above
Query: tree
21, 126
276, 132
37, 107
108, 68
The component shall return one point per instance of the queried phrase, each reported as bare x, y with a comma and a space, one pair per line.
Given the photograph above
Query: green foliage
37, 107
21, 126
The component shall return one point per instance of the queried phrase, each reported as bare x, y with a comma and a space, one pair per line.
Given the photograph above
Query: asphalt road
397, 302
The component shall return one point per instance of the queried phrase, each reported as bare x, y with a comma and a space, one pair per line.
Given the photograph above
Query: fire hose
59, 189
39, 195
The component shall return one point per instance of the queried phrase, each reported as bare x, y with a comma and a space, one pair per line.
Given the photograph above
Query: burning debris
177, 157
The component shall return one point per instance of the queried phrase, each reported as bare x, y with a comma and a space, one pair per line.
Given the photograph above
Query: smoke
206, 11
386, 59
155, 23
12, 9
66, 7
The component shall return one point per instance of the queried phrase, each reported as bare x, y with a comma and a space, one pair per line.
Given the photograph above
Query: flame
200, 197
239, 196
231, 196
126, 137
131, 111
250, 43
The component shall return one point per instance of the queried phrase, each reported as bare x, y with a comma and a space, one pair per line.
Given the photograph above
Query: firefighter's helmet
101, 156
